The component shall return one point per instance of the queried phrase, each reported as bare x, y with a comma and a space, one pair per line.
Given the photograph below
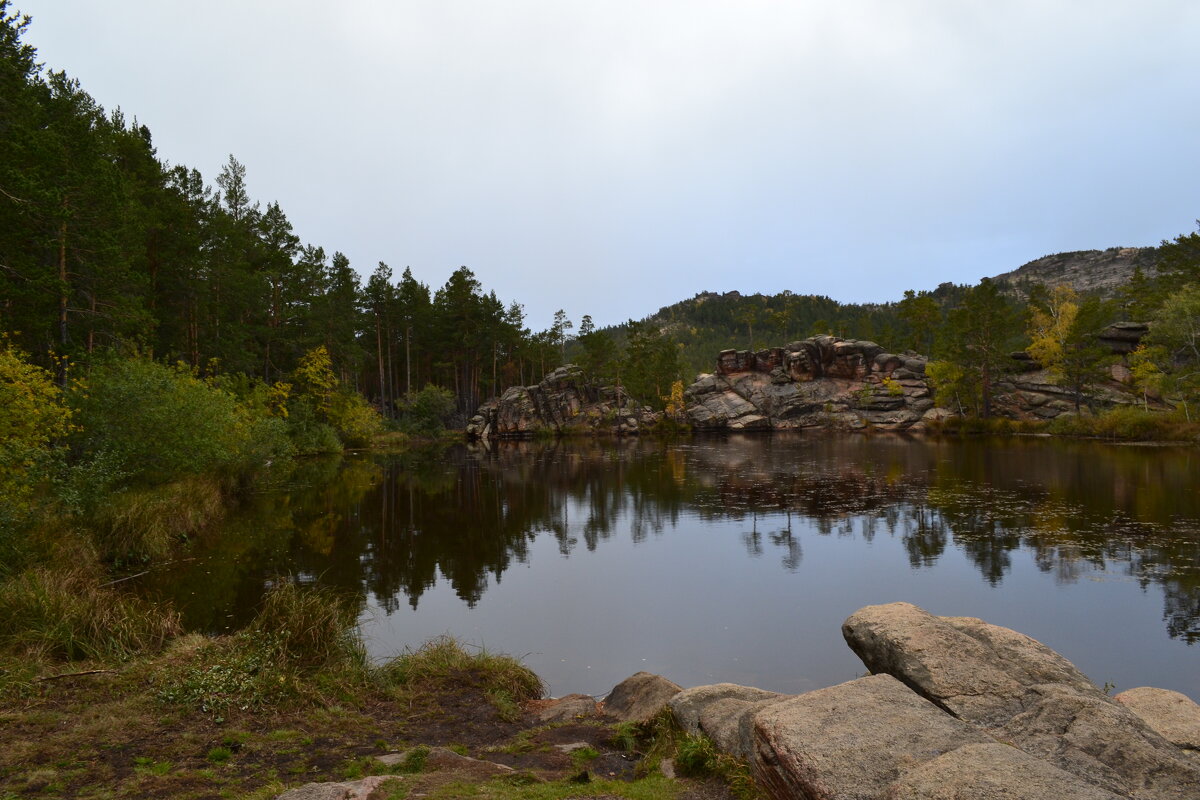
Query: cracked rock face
852, 740
1021, 692
818, 382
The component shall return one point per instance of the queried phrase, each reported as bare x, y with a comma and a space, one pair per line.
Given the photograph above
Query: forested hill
711, 321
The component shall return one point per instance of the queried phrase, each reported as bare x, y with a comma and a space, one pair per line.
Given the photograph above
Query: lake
729, 558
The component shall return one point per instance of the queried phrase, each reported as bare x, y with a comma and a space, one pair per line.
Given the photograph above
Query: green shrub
308, 434
427, 412
151, 423
355, 421
33, 421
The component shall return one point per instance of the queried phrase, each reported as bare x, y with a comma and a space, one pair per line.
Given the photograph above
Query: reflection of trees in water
396, 526
1077, 507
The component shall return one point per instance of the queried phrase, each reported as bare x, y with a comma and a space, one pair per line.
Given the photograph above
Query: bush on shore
1129, 423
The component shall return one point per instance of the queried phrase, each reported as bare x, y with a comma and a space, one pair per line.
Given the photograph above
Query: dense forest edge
167, 345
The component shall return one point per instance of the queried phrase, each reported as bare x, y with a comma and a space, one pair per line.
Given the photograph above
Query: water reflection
391, 529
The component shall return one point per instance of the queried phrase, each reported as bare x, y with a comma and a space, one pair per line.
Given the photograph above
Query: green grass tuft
444, 663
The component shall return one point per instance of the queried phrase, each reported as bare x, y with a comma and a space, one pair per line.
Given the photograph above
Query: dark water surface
732, 559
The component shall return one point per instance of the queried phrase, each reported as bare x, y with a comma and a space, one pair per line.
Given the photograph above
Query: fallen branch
73, 674
126, 578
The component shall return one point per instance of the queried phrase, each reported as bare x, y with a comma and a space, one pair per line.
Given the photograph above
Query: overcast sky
610, 157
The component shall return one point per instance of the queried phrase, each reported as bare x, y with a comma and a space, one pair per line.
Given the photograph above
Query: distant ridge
1100, 271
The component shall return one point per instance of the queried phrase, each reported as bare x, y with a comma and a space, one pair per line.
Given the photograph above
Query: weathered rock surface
818, 382
991, 772
1173, 715
568, 708
979, 672
563, 402
442, 758
826, 382
852, 740
364, 789
639, 697
724, 713
1022, 692
1100, 271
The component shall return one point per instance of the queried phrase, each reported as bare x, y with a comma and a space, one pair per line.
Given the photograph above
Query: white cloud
612, 157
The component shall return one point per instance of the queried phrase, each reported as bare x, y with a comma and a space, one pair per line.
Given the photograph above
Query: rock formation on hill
1101, 271
820, 382
563, 402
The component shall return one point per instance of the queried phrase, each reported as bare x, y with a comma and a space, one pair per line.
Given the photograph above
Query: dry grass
67, 613
145, 524
442, 662
312, 627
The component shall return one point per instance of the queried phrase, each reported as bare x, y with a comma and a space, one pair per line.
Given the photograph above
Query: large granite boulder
1022, 692
991, 772
1173, 715
852, 740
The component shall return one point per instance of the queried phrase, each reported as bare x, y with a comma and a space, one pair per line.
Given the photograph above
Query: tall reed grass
68, 613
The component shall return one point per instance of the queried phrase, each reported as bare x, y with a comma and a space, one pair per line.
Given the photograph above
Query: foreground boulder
852, 740
639, 697
1020, 691
1172, 714
991, 772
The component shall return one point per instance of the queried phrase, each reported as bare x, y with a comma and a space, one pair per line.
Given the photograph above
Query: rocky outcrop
1021, 692
955, 708
821, 382
826, 382
1100, 271
563, 402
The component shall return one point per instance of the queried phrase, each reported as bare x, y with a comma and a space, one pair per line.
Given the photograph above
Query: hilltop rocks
814, 383
563, 402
